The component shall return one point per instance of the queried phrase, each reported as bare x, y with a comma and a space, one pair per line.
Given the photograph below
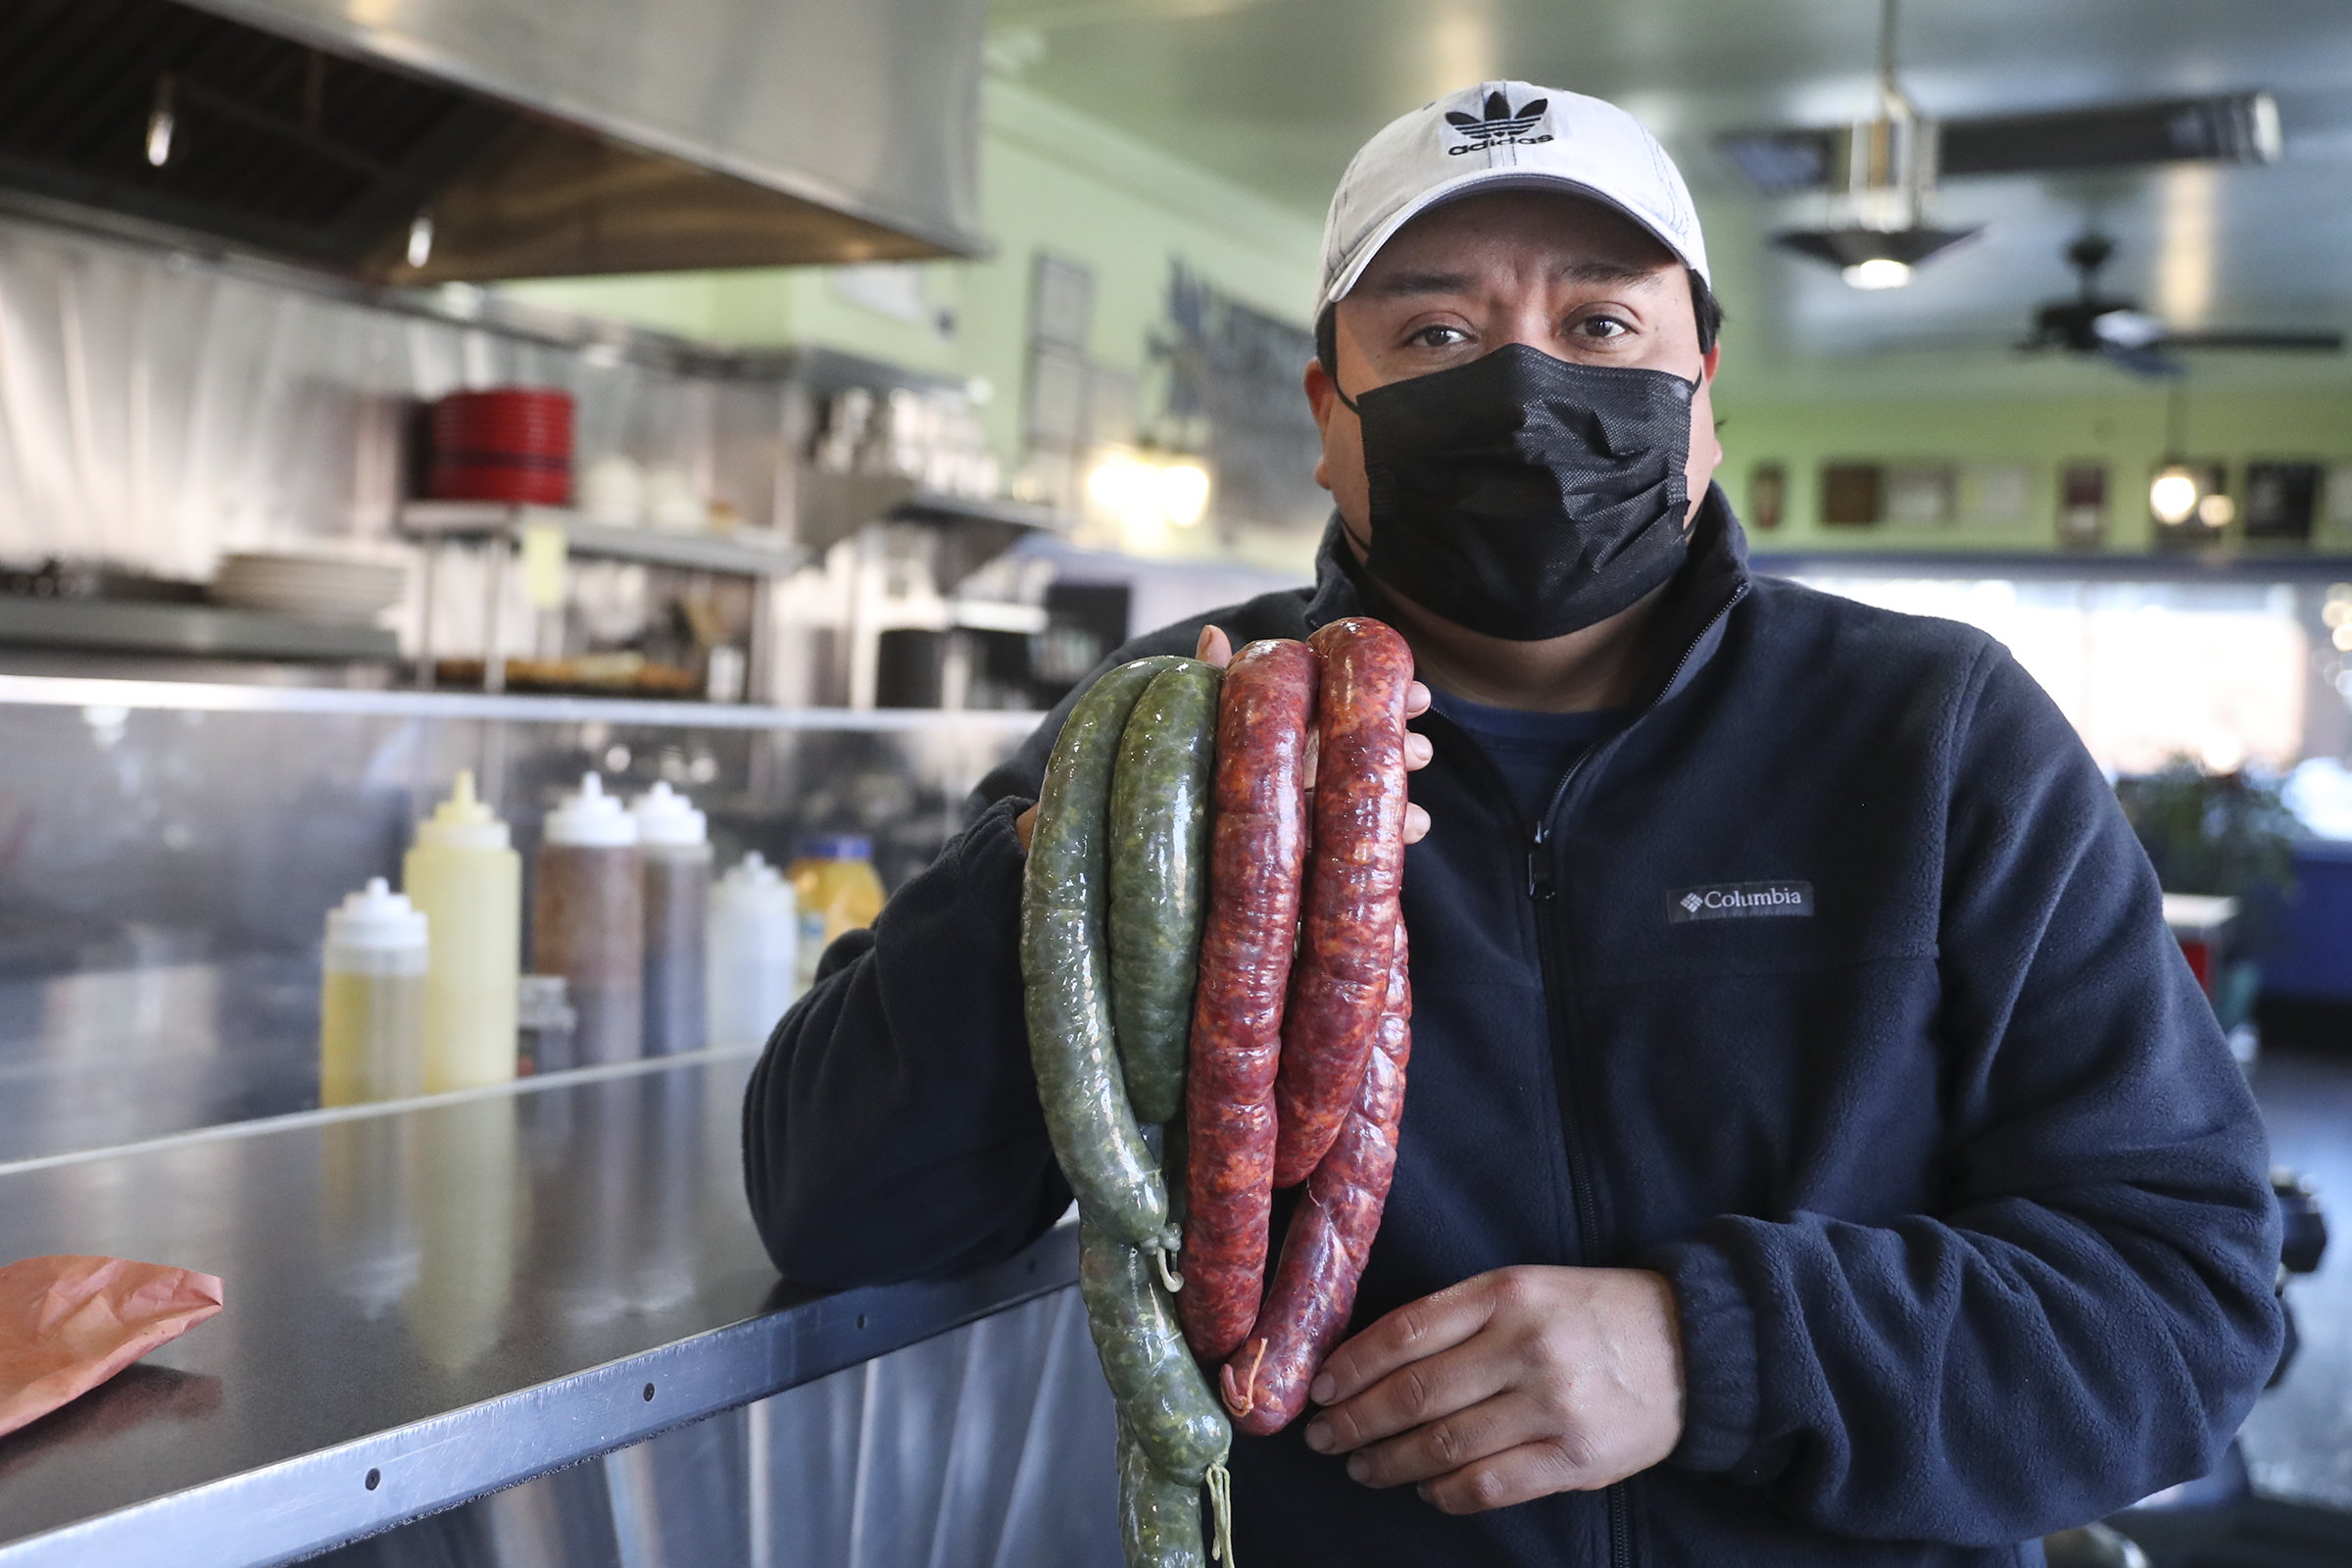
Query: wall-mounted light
1144, 493
2191, 498
159, 125
420, 240
1873, 258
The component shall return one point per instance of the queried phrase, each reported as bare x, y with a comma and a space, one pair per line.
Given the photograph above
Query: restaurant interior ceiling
1276, 94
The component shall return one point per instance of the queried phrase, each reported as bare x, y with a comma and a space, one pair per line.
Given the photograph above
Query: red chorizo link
1258, 855
1264, 1384
1353, 872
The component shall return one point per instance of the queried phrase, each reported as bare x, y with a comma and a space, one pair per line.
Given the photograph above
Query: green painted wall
1050, 179
2122, 426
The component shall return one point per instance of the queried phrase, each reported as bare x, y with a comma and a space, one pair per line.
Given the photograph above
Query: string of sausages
1216, 967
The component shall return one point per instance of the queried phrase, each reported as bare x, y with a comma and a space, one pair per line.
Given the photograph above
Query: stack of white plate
313, 587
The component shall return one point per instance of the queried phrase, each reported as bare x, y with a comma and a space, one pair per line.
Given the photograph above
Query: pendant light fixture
2191, 502
1881, 190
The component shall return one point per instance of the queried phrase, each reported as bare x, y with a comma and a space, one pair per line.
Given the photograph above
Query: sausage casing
1158, 829
1065, 971
1159, 1520
1355, 871
1256, 860
1163, 1400
1264, 1383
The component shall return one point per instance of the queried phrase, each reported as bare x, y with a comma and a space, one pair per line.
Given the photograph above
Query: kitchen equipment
372, 1006
754, 932
465, 875
312, 587
545, 1025
675, 845
588, 919
508, 444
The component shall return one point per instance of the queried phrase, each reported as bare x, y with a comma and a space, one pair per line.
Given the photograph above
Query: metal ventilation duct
531, 137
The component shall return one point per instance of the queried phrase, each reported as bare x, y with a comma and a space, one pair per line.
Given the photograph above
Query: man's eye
1438, 337
1600, 326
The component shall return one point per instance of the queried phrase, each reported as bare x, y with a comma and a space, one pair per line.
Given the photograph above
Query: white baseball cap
1503, 135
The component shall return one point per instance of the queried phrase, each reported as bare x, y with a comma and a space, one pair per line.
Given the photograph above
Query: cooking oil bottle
372, 1006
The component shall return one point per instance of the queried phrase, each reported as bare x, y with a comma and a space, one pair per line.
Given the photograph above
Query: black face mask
1526, 497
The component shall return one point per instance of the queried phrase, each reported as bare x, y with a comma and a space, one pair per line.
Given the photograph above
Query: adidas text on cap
1503, 135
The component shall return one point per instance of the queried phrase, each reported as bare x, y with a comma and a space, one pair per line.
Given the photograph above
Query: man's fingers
1215, 646
1416, 700
1414, 1331
1447, 1444
1411, 1398
1517, 1475
1418, 750
1416, 824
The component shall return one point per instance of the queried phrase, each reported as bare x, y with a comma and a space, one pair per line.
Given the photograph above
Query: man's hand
1217, 648
1510, 1385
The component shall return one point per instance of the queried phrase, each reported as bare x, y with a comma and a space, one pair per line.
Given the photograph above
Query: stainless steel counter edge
322, 1500
104, 692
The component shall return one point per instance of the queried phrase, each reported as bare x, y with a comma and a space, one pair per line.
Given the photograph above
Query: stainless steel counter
425, 1304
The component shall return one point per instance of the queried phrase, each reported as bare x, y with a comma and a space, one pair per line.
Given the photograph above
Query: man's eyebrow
1393, 285
1602, 270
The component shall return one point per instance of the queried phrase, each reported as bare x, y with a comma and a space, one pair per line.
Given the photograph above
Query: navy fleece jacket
1832, 985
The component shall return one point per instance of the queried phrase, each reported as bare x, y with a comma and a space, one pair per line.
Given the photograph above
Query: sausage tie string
1220, 1503
1169, 1280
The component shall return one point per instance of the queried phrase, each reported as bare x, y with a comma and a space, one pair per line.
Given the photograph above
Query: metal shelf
736, 556
77, 691
214, 632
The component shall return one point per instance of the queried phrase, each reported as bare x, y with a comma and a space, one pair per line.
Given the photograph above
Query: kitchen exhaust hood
422, 141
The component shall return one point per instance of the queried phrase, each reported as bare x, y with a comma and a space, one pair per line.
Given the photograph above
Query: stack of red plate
511, 443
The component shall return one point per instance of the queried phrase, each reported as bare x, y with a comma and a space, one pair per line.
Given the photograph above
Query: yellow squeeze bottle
464, 873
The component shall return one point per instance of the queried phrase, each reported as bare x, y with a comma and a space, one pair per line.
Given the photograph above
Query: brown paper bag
67, 1324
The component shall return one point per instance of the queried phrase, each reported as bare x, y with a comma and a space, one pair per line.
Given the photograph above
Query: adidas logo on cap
1501, 124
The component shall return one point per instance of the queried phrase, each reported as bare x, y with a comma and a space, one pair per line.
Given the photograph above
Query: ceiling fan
2131, 339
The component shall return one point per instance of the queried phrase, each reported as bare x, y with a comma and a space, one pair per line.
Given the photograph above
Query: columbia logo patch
1739, 901
1500, 124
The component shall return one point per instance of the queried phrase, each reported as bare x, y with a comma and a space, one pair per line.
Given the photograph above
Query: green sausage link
1065, 971
1163, 1400
1159, 1520
1159, 880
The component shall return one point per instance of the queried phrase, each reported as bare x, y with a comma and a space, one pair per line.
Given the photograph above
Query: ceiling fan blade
2316, 342
1779, 162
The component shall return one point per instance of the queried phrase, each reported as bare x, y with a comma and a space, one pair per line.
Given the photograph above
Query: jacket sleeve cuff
1720, 1393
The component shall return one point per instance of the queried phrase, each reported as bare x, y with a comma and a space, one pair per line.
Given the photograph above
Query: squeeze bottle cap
753, 871
838, 847
376, 916
591, 818
664, 817
462, 822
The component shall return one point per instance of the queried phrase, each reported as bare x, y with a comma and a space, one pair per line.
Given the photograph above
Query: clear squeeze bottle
466, 876
754, 932
839, 891
674, 841
588, 921
372, 1006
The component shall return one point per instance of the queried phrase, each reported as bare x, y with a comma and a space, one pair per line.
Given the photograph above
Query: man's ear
1708, 360
1321, 399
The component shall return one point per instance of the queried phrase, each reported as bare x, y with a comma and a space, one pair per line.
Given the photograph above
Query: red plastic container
509, 444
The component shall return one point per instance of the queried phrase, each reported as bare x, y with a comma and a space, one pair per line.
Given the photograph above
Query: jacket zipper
1539, 890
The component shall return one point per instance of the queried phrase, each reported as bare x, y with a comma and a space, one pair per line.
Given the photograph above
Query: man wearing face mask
1816, 1149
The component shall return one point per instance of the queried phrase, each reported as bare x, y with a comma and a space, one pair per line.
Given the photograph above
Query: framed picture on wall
2083, 505
1850, 494
2281, 498
1767, 494
1921, 493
